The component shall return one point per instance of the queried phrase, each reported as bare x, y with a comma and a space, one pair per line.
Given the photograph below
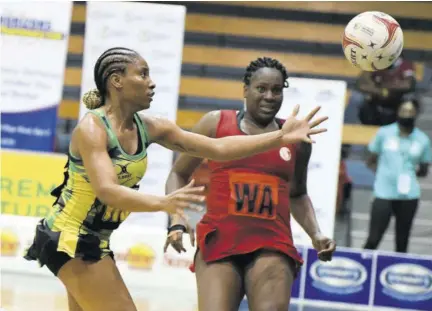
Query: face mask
406, 122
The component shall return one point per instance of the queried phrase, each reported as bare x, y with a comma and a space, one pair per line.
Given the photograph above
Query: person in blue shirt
399, 154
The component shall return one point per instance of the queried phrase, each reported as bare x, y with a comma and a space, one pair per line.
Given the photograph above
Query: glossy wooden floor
21, 292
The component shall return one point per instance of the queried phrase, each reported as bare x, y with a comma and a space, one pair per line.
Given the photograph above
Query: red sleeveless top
248, 201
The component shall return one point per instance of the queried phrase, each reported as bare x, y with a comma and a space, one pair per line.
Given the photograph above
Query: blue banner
347, 278
34, 49
30, 130
403, 282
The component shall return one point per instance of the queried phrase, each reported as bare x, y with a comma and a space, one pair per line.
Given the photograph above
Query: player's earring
244, 104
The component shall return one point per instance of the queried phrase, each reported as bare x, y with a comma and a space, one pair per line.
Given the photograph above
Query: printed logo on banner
340, 276
293, 91
404, 282
178, 261
111, 32
324, 95
9, 242
160, 54
344, 279
158, 19
163, 19
103, 15
29, 27
407, 282
150, 36
140, 256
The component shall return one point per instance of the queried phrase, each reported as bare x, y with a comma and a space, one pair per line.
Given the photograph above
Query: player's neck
122, 116
250, 120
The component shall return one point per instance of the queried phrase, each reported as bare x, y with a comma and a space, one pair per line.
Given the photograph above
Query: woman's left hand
324, 246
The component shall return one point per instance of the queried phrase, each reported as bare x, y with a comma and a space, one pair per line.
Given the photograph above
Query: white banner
145, 268
324, 163
138, 253
33, 58
155, 31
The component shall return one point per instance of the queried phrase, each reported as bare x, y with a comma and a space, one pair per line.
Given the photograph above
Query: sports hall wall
222, 38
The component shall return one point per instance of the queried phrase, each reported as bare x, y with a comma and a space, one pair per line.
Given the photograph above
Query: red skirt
228, 238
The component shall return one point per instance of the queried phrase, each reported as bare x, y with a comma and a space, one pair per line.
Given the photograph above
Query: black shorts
44, 250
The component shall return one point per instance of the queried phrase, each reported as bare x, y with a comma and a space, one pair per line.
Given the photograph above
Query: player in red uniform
244, 240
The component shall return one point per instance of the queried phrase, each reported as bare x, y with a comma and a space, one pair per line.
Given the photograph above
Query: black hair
111, 61
265, 62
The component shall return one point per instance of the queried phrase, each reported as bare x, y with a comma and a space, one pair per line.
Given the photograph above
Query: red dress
248, 202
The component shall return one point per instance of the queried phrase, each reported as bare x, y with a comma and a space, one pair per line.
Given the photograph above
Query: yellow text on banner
27, 180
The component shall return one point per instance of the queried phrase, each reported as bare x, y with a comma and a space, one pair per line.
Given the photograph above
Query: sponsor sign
403, 283
347, 278
27, 178
325, 159
155, 31
33, 59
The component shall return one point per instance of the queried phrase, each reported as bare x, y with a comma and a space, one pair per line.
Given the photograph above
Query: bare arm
302, 209
91, 142
169, 135
301, 204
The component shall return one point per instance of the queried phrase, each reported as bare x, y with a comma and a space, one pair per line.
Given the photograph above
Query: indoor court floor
21, 292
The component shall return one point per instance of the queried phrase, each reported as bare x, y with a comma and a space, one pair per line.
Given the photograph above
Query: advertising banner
346, 279
33, 59
155, 31
403, 282
324, 161
27, 179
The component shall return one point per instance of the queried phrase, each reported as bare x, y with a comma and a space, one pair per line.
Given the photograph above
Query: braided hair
114, 60
265, 62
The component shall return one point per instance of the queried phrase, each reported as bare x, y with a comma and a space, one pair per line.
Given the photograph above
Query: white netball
372, 41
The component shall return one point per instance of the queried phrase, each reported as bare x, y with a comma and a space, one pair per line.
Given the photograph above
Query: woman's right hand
187, 197
175, 238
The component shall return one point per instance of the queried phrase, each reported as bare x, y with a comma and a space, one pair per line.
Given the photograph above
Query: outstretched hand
300, 130
186, 197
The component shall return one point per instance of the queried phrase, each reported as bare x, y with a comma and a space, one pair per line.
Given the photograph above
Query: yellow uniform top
83, 223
